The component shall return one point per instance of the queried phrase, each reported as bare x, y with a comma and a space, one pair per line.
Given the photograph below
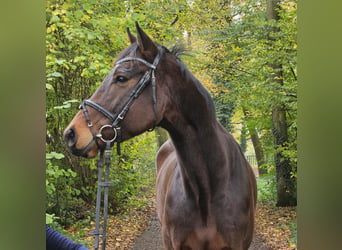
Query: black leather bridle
115, 119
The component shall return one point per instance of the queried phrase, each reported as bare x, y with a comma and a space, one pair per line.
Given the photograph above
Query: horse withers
205, 190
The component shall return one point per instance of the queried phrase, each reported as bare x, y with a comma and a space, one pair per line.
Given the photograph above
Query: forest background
244, 52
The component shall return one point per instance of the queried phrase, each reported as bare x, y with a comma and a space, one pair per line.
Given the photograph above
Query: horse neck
197, 137
200, 153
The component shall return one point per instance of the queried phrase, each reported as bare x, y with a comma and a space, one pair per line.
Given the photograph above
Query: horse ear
131, 37
145, 44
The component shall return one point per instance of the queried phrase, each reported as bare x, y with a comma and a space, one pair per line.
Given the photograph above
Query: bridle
115, 119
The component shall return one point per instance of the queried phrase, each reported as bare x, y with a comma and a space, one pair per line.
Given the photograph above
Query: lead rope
105, 184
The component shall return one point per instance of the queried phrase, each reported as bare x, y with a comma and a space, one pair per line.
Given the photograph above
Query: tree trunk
286, 188
259, 153
243, 139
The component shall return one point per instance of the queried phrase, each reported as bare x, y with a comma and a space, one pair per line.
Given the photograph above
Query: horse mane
180, 49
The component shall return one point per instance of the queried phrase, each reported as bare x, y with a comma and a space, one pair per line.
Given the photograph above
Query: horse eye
120, 79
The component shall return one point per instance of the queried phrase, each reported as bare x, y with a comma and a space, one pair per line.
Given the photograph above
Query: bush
267, 191
62, 191
133, 171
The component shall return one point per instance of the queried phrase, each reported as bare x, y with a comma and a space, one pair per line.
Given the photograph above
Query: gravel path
151, 239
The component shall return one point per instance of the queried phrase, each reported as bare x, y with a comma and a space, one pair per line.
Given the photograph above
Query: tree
286, 186
259, 152
254, 57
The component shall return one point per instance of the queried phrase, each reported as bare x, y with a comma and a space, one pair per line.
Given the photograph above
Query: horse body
217, 213
205, 187
206, 190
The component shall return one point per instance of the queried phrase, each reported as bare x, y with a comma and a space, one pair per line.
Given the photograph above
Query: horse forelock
130, 51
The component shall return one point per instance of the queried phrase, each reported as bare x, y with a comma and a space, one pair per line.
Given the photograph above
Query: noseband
116, 118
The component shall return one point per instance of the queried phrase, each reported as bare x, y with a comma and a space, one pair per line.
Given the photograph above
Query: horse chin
85, 152
91, 153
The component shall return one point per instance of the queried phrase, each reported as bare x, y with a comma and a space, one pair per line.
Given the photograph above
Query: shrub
267, 188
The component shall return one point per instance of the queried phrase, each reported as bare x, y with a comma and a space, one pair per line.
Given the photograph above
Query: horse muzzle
89, 150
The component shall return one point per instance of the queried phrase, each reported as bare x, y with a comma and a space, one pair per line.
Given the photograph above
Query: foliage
247, 54
293, 228
82, 38
267, 189
62, 191
133, 171
241, 49
50, 219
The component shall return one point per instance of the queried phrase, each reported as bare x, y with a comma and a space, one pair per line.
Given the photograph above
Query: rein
115, 120
104, 159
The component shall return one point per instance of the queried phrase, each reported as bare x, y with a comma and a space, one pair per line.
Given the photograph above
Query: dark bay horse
206, 190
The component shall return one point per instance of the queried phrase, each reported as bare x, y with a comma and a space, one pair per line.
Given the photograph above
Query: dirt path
151, 239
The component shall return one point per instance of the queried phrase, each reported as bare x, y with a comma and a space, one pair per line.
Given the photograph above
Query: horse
205, 188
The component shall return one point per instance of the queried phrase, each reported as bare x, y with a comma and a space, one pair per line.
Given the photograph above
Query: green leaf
54, 155
60, 61
54, 19
50, 218
65, 106
48, 86
91, 36
55, 74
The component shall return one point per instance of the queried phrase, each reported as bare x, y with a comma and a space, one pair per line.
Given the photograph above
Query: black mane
179, 50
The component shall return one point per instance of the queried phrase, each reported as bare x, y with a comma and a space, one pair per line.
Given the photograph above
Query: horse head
129, 101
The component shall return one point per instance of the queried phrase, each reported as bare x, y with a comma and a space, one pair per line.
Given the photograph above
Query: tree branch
293, 73
175, 20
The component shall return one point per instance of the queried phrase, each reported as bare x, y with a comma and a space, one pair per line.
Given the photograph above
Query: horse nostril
70, 137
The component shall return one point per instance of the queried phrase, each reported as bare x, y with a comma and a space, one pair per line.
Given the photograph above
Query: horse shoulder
166, 162
163, 153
